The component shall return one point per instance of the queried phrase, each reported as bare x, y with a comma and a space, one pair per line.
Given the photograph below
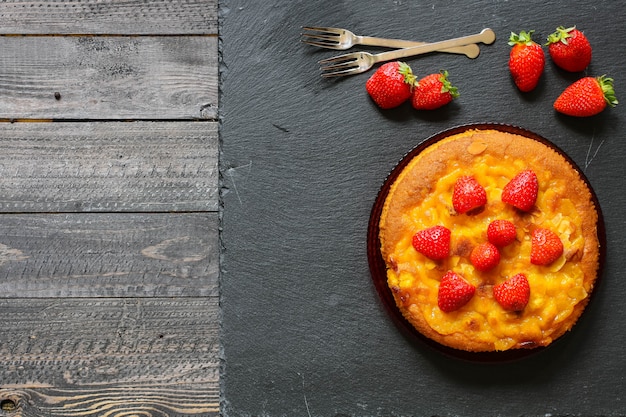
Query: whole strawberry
485, 256
501, 232
433, 242
433, 91
569, 49
522, 190
468, 194
526, 60
454, 292
513, 294
391, 84
545, 247
586, 97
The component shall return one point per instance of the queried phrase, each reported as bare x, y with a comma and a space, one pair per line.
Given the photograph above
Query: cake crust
412, 279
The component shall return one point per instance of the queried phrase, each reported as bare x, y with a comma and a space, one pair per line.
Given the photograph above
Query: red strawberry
526, 60
501, 232
513, 294
391, 84
521, 191
545, 247
454, 292
433, 91
569, 49
586, 97
485, 256
433, 242
468, 194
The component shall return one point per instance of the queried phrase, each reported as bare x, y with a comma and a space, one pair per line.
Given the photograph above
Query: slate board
302, 159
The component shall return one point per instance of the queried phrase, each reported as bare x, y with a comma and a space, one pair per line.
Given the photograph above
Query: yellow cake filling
555, 289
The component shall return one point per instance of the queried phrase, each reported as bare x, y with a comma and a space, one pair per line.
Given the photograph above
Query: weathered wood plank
109, 255
113, 166
157, 357
109, 17
127, 77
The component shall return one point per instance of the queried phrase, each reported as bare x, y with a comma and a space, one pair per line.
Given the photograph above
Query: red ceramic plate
378, 267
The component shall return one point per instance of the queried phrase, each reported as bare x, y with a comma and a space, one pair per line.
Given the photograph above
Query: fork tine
340, 58
349, 71
339, 65
331, 38
327, 30
321, 44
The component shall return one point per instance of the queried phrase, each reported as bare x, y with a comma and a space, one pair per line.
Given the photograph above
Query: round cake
490, 241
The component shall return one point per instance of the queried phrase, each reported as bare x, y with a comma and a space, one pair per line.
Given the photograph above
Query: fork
342, 39
358, 62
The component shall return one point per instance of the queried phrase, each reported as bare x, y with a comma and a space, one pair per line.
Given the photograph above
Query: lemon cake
490, 241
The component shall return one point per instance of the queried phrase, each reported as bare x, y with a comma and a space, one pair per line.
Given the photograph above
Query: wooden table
109, 253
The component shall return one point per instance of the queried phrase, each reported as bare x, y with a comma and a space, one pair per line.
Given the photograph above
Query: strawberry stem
407, 72
560, 35
524, 38
447, 86
606, 84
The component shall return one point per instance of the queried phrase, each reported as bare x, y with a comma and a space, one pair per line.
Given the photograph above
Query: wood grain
109, 78
100, 255
109, 222
110, 356
109, 17
117, 166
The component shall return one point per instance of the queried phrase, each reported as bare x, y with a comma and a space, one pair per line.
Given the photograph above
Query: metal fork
358, 62
342, 39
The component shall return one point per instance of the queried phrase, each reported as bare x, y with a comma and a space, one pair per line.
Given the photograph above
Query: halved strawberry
513, 294
522, 190
485, 256
501, 232
546, 247
468, 194
433, 242
454, 292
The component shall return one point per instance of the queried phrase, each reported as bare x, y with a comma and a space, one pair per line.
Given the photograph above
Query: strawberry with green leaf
570, 49
587, 97
526, 60
433, 91
391, 84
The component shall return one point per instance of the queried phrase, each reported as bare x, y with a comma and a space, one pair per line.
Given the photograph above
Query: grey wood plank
122, 77
112, 166
110, 356
109, 255
109, 17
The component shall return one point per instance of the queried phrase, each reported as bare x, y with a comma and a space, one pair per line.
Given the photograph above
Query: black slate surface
302, 159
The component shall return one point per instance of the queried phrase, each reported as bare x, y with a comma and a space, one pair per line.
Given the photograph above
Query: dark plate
378, 267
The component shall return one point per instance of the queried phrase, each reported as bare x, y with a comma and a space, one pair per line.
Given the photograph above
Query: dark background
304, 331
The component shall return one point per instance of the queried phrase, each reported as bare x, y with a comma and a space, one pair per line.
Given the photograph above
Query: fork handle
470, 50
486, 36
